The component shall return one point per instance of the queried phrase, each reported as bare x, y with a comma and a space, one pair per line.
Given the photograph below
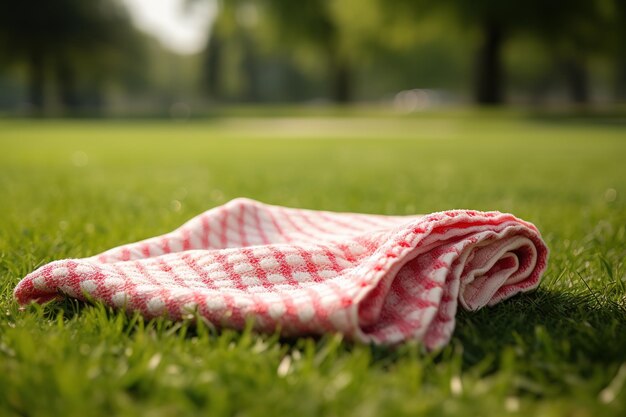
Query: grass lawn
75, 188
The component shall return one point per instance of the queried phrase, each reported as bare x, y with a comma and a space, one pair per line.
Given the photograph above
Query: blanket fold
377, 279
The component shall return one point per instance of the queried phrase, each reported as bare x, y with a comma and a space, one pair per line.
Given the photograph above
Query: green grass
74, 188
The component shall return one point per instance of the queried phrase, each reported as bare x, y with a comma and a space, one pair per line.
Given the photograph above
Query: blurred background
181, 58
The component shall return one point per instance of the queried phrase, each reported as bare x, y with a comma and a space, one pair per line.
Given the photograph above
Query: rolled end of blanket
457, 257
501, 269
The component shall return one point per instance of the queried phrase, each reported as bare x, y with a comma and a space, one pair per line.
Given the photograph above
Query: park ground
72, 188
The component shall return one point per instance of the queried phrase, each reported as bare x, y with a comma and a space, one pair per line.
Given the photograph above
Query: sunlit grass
74, 188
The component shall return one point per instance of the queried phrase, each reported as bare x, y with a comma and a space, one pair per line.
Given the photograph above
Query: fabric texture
377, 279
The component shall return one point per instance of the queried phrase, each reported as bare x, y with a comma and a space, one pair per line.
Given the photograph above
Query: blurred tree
312, 23
66, 42
212, 61
391, 50
222, 28
563, 24
230, 61
569, 30
618, 47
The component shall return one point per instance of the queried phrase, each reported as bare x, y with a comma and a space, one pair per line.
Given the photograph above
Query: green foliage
74, 46
566, 30
86, 56
72, 189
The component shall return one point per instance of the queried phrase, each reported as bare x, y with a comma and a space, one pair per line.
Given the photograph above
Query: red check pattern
378, 279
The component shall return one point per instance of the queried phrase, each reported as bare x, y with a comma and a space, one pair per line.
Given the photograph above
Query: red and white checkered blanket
380, 279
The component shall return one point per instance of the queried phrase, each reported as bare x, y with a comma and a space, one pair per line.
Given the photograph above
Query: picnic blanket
376, 279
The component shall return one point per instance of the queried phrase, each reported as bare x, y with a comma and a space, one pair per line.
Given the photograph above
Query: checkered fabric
377, 279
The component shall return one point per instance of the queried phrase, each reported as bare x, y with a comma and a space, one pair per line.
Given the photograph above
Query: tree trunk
620, 87
250, 69
36, 82
66, 83
212, 66
620, 54
489, 76
577, 80
341, 78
